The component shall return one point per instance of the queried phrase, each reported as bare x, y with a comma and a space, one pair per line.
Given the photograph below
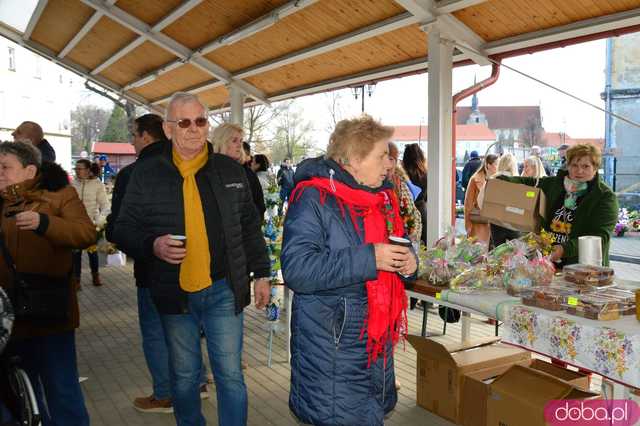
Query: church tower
476, 117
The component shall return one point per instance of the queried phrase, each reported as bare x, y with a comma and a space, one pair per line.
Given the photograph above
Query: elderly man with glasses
189, 215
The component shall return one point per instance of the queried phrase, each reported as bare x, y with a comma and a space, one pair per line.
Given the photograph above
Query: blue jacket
326, 264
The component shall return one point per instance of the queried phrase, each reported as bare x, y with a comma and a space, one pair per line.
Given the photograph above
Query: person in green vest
578, 203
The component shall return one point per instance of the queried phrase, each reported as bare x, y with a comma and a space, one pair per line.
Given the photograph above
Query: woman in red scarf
349, 308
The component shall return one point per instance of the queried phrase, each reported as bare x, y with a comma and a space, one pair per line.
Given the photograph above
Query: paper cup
181, 238
399, 241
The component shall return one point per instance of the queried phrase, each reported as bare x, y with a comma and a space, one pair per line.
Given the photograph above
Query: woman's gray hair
26, 153
180, 98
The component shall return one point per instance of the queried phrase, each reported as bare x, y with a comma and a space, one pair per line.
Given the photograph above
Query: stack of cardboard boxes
487, 383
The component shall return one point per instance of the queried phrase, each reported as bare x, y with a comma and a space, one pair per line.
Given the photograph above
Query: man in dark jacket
30, 131
562, 152
254, 183
470, 168
148, 139
189, 191
285, 180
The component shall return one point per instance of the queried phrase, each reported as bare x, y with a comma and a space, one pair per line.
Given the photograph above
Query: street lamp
358, 91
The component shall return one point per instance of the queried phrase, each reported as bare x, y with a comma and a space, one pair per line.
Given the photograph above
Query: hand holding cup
170, 248
394, 257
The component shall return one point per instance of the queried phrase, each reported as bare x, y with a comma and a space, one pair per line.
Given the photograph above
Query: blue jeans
154, 346
52, 361
214, 309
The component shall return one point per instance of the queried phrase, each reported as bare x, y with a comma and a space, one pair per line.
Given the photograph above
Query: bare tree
219, 118
128, 106
257, 120
334, 107
87, 123
532, 133
291, 139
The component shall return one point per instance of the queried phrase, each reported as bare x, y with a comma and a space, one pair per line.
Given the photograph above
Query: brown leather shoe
149, 404
96, 280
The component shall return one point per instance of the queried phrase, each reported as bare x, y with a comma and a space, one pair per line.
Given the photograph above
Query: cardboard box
514, 206
441, 368
477, 388
518, 397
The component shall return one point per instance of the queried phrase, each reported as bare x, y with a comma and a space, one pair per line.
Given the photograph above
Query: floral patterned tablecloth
609, 348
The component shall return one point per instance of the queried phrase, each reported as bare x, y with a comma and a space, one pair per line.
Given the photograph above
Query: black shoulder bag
37, 297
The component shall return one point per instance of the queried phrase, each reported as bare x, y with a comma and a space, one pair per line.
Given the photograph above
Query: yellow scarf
195, 270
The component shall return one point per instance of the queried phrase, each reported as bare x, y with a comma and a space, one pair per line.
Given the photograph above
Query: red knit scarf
387, 311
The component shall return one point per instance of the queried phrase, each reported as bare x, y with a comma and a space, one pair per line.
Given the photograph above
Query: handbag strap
7, 256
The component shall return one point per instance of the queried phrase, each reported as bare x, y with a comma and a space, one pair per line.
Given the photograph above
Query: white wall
40, 91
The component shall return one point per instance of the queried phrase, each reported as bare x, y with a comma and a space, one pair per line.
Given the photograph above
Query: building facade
622, 96
35, 89
514, 126
470, 137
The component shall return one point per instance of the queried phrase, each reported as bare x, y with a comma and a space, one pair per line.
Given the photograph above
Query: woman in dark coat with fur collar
42, 221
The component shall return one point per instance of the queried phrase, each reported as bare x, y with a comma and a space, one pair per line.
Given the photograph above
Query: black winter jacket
256, 191
153, 206
119, 189
469, 169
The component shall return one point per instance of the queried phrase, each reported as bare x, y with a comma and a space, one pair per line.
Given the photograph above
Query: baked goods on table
589, 275
626, 298
594, 306
551, 298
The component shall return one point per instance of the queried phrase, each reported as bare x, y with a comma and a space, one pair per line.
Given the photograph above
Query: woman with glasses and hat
42, 221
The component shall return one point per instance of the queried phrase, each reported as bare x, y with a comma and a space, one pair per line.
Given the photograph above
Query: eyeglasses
186, 122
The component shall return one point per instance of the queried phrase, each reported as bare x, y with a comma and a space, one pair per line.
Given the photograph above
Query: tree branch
105, 94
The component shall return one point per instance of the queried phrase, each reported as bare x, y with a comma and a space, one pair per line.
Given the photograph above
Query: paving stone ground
110, 355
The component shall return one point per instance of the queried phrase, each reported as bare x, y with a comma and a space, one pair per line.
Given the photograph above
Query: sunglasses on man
185, 123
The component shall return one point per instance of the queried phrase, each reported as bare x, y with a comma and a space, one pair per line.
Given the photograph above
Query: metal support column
237, 105
439, 155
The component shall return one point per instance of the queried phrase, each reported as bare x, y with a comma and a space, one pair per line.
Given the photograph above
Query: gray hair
25, 152
180, 98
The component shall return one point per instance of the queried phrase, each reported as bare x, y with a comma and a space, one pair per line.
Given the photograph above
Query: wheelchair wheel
28, 412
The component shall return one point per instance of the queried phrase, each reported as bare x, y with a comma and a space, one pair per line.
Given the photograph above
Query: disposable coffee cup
399, 241
180, 238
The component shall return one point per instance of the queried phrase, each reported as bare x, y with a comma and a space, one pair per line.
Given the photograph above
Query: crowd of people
190, 210
578, 201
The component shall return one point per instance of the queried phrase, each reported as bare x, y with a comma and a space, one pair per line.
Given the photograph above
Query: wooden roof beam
193, 90
382, 27
450, 6
388, 25
565, 32
176, 14
602, 24
49, 54
35, 17
83, 32
245, 31
184, 53
381, 73
429, 14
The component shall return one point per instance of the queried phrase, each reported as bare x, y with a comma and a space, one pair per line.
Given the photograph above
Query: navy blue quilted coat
326, 264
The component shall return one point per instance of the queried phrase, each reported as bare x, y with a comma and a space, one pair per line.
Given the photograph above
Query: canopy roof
277, 49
